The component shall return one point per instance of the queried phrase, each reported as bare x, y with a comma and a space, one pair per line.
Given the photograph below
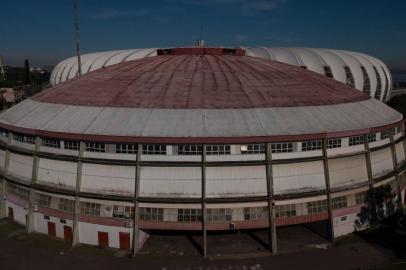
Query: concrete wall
2, 159
59, 173
88, 234
19, 212
41, 224
235, 181
347, 171
110, 179
298, 177
345, 224
21, 166
400, 153
170, 182
381, 162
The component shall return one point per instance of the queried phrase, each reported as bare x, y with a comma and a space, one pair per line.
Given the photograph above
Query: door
103, 239
11, 213
125, 242
51, 229
67, 233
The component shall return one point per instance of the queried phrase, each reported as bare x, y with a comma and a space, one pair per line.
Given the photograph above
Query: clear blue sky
42, 30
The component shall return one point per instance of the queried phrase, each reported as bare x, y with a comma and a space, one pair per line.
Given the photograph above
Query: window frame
95, 147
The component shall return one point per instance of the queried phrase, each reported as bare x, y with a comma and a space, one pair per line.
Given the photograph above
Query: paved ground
230, 245
19, 251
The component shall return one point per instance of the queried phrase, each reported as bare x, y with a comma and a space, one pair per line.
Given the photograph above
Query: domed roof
201, 81
190, 96
370, 74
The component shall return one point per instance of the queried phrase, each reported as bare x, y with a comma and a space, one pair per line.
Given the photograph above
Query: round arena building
196, 139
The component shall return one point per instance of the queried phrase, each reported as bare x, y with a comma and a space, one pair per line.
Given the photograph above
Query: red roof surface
201, 81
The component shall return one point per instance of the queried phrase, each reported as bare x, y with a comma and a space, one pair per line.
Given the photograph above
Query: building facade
196, 140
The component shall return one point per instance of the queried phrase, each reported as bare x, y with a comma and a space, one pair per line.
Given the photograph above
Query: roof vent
200, 43
202, 51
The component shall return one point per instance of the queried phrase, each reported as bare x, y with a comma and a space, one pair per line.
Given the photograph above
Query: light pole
75, 13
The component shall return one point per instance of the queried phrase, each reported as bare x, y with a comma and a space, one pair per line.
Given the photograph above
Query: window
51, 142
311, 145
154, 149
333, 143
189, 149
360, 197
90, 209
349, 77
124, 148
339, 202
288, 210
317, 207
18, 137
328, 72
219, 214
21, 192
371, 137
124, 212
95, 147
71, 145
385, 134
218, 149
356, 140
367, 82
189, 215
378, 84
66, 205
282, 147
3, 133
397, 130
255, 213
253, 149
156, 214
43, 200
24, 138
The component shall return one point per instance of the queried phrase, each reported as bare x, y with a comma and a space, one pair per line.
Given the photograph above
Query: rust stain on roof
201, 81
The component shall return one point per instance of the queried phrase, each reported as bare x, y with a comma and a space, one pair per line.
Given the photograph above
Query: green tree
379, 203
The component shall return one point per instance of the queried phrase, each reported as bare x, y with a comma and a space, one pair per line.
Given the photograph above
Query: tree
27, 74
379, 203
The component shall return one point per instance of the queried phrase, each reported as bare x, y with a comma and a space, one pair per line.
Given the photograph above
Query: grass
94, 250
348, 240
8, 227
393, 266
36, 239
45, 241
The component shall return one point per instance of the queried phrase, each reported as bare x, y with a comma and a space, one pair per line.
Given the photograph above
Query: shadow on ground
21, 251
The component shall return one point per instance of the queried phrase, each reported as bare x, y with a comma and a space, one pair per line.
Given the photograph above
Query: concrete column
2, 198
76, 210
396, 169
30, 216
370, 179
271, 203
328, 189
136, 231
404, 147
204, 214
4, 182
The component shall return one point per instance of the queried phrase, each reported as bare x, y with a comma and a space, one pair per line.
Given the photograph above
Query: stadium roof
201, 81
204, 98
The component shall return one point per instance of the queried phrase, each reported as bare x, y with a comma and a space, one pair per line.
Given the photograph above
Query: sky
43, 30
